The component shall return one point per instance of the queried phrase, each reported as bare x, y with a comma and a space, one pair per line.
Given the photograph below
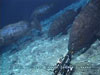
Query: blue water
35, 53
16, 10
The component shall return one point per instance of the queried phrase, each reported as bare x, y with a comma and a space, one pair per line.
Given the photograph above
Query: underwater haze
50, 37
15, 10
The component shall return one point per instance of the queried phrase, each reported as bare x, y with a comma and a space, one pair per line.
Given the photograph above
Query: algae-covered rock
62, 23
85, 26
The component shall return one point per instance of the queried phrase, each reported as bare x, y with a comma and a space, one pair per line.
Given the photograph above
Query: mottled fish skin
61, 23
35, 24
85, 27
12, 32
42, 9
41, 12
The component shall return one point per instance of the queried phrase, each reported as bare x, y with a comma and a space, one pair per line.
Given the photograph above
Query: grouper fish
13, 32
85, 27
62, 23
41, 12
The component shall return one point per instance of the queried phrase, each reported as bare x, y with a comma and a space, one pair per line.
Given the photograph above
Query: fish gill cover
36, 53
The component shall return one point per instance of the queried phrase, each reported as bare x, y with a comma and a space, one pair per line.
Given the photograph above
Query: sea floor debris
40, 56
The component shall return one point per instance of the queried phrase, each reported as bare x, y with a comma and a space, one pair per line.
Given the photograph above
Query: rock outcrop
85, 27
62, 23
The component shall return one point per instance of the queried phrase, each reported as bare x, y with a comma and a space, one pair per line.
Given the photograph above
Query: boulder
85, 27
